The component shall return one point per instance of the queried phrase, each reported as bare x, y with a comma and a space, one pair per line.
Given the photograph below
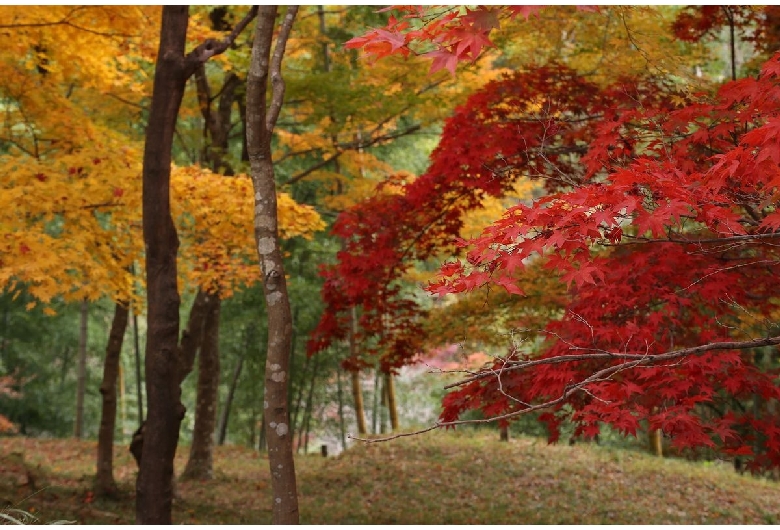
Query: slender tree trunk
504, 432
154, 490
383, 407
342, 425
299, 396
122, 400
357, 390
105, 486
138, 374
262, 441
81, 370
391, 401
261, 119
200, 465
308, 408
225, 415
378, 392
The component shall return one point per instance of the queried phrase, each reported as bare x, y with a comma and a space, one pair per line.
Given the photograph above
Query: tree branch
277, 81
213, 47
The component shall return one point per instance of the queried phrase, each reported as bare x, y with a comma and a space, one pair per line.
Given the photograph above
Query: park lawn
436, 478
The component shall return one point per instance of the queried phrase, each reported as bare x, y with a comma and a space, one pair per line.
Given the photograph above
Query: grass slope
438, 478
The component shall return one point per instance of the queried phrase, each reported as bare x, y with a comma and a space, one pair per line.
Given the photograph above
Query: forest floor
436, 478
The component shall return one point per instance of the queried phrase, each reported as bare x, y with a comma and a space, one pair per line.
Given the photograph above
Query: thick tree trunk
261, 118
504, 432
200, 465
81, 370
105, 486
154, 490
164, 365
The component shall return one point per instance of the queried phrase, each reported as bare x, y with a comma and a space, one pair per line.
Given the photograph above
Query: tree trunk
375, 404
303, 432
342, 425
261, 118
391, 402
81, 370
154, 491
655, 439
357, 390
138, 375
296, 409
105, 486
504, 432
225, 415
200, 465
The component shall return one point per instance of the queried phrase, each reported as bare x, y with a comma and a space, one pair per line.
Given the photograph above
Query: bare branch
351, 146
639, 358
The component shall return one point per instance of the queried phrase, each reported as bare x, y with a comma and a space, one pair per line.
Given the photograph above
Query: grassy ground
438, 478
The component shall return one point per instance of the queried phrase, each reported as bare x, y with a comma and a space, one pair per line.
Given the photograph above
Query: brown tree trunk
81, 370
342, 424
261, 118
357, 390
225, 415
200, 465
504, 432
154, 491
105, 486
391, 402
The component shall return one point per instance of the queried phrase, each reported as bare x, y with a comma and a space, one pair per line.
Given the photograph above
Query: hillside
443, 478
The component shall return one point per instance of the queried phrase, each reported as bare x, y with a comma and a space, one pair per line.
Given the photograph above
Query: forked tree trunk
261, 118
154, 491
105, 486
200, 465
81, 370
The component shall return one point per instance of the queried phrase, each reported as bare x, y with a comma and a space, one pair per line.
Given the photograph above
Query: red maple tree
662, 214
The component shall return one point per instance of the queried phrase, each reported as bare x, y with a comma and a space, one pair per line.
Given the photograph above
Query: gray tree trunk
261, 118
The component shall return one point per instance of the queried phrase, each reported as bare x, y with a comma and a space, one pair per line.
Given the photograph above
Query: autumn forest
355, 264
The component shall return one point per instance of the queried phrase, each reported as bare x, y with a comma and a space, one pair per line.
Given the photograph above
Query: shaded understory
441, 477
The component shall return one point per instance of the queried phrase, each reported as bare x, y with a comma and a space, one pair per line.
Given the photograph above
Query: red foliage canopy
663, 214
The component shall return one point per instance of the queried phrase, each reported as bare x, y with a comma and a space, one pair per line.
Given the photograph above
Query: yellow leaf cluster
215, 218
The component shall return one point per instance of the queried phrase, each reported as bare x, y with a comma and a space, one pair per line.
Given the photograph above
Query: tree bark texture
105, 485
81, 370
163, 365
261, 118
200, 465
